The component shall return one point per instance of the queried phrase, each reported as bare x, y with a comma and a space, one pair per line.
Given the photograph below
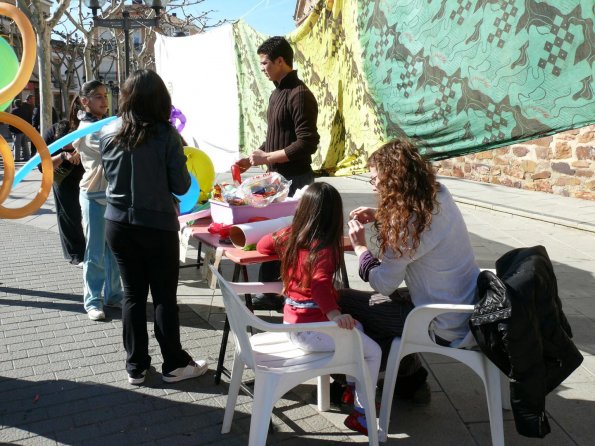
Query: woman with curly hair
422, 240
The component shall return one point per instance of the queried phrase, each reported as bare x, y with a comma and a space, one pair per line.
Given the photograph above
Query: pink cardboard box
227, 214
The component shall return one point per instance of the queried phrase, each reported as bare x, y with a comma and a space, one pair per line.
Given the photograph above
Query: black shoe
268, 301
414, 387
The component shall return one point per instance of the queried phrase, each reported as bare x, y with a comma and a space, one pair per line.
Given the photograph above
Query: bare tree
43, 23
180, 19
67, 57
95, 48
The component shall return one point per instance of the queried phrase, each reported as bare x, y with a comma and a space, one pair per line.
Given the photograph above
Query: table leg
222, 349
198, 263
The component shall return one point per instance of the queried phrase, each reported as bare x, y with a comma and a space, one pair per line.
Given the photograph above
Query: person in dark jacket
36, 119
291, 140
144, 164
520, 326
28, 108
20, 144
68, 172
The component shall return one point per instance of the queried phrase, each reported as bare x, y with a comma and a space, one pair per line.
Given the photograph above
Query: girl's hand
344, 321
73, 157
363, 214
357, 234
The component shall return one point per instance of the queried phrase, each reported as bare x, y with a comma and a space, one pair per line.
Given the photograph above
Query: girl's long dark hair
144, 103
76, 105
317, 224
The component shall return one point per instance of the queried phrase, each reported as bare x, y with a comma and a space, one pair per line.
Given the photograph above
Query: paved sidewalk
62, 378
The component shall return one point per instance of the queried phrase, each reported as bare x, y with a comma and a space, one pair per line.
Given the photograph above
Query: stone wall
562, 164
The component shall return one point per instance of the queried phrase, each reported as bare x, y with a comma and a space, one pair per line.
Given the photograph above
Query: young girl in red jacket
310, 251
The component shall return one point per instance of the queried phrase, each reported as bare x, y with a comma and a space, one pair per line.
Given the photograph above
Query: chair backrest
239, 317
417, 324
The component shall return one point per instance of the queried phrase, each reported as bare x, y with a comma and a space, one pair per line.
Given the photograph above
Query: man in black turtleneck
292, 136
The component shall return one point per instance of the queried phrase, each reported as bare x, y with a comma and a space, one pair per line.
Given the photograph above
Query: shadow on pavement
90, 413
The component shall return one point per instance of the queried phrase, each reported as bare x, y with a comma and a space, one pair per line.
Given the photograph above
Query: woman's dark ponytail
75, 107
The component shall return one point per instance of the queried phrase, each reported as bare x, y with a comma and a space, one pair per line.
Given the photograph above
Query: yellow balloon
200, 165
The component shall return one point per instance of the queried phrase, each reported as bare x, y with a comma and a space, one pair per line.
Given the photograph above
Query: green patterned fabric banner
254, 88
457, 76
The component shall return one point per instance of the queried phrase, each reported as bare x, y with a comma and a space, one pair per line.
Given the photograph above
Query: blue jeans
100, 269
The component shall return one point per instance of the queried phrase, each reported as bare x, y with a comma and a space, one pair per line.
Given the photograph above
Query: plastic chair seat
274, 351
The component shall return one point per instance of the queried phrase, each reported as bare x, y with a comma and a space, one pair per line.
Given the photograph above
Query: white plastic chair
279, 365
416, 339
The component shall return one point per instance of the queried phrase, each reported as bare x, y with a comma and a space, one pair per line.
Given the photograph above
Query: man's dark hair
277, 47
17, 103
30, 96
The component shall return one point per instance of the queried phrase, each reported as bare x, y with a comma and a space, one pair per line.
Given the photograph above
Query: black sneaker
268, 301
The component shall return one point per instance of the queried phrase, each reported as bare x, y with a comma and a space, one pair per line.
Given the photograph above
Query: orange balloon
6, 94
46, 164
29, 52
8, 160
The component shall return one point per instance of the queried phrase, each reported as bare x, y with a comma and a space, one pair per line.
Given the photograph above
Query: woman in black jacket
144, 164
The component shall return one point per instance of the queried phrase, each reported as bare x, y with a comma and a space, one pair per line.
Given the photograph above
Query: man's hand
258, 157
244, 164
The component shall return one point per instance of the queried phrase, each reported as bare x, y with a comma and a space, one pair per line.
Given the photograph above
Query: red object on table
219, 228
236, 174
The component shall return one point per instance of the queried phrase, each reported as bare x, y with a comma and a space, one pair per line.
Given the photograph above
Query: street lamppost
126, 23
115, 90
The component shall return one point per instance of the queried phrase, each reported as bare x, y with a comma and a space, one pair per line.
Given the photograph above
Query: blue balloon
57, 145
190, 198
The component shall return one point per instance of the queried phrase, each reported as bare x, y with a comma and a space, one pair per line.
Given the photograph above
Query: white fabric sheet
200, 74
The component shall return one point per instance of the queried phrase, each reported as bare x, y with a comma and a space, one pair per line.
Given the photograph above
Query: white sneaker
95, 314
137, 378
192, 370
